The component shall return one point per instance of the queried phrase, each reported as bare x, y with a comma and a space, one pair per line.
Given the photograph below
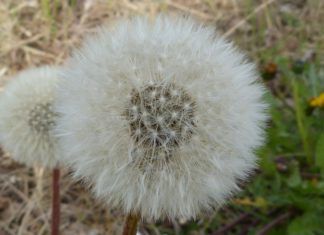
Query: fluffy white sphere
162, 118
27, 117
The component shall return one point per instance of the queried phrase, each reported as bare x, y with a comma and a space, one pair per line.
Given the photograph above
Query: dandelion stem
56, 202
130, 227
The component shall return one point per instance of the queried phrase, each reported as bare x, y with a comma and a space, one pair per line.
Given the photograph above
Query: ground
284, 37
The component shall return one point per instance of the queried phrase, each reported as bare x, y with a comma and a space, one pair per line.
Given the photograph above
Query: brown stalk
273, 223
130, 227
56, 202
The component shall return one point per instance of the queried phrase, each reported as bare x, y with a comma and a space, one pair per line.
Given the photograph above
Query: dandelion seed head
174, 142
27, 117
157, 120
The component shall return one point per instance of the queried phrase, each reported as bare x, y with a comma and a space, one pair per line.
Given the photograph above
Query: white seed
174, 92
187, 106
159, 119
162, 99
134, 108
173, 133
154, 134
147, 123
145, 114
174, 115
138, 131
153, 94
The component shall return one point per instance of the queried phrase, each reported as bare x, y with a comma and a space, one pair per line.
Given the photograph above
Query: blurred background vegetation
284, 37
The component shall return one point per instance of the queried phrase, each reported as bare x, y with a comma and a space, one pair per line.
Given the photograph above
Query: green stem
46, 9
300, 118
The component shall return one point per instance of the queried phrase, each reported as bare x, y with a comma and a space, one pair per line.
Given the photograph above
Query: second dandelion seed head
27, 117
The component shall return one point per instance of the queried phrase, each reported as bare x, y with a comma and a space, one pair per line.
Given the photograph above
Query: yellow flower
259, 202
317, 102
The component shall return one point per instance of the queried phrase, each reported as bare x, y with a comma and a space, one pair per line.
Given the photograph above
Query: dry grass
44, 32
